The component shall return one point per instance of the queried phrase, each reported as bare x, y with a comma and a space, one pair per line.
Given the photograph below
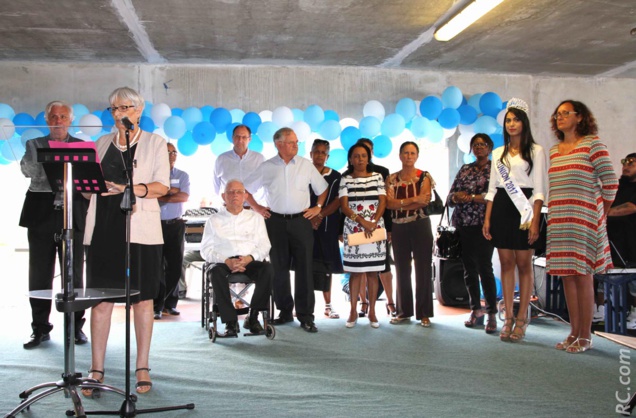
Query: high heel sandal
491, 325
93, 392
330, 312
516, 337
563, 345
392, 313
506, 330
576, 347
143, 386
474, 320
363, 309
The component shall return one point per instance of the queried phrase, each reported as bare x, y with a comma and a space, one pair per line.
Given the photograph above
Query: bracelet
145, 194
353, 216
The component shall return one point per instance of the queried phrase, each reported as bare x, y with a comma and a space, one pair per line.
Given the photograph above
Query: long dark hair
527, 141
587, 126
350, 153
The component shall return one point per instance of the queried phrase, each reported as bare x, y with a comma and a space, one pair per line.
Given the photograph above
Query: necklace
132, 141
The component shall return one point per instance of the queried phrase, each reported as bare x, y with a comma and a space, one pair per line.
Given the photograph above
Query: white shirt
230, 165
226, 235
537, 180
287, 185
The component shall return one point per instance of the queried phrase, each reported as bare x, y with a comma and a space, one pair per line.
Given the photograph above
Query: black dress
106, 256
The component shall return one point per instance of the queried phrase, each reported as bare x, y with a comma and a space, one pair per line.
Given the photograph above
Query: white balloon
83, 136
266, 115
374, 108
302, 130
7, 128
449, 132
283, 116
463, 142
159, 113
90, 124
501, 116
346, 122
466, 129
405, 136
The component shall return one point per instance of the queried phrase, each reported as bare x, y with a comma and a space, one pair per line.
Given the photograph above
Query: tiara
518, 104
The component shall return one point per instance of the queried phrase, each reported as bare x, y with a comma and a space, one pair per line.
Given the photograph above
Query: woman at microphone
105, 234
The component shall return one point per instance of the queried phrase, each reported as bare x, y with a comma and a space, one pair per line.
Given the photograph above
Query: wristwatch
319, 205
472, 197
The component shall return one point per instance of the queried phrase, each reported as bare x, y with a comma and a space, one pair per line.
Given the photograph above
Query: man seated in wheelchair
235, 240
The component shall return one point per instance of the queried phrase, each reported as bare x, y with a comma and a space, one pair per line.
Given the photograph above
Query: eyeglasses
480, 145
627, 161
236, 192
241, 137
123, 108
294, 143
563, 114
172, 152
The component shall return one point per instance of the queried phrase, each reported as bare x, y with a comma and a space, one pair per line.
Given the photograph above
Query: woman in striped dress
582, 188
362, 202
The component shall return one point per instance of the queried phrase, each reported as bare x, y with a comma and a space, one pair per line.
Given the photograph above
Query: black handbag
435, 207
447, 243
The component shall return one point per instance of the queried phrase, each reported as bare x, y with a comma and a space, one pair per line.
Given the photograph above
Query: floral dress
364, 198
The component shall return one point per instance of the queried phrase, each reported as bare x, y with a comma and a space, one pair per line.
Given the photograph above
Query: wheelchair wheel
212, 333
270, 332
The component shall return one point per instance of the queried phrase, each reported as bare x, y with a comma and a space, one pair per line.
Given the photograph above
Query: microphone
127, 123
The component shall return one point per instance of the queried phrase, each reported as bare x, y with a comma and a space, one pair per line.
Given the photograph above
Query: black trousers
292, 238
173, 244
260, 272
477, 259
42, 252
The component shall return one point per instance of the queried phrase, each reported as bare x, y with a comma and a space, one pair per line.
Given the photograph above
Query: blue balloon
204, 133
436, 132
147, 124
314, 116
229, 131
6, 152
337, 159
30, 134
220, 144
469, 158
406, 108
330, 129
473, 102
192, 116
220, 118
420, 126
147, 109
498, 140
449, 118
237, 115
206, 112
176, 111
40, 121
348, 137
299, 115
252, 120
255, 143
4, 161
186, 144
452, 97
22, 122
6, 111
332, 115
490, 104
431, 107
467, 114
370, 126
79, 110
266, 131
485, 125
392, 125
382, 146
174, 127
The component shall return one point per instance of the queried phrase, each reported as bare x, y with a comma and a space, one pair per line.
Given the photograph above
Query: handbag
359, 238
435, 207
447, 243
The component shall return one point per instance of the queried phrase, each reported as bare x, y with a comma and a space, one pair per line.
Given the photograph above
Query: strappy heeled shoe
330, 312
474, 320
491, 325
506, 330
392, 313
520, 324
563, 345
576, 347
364, 308
143, 386
93, 392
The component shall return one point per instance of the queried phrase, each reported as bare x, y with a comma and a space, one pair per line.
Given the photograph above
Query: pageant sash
516, 195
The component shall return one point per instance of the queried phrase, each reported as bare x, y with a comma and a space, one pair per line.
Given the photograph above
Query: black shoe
182, 294
171, 311
253, 325
283, 318
309, 326
157, 314
80, 337
231, 329
36, 338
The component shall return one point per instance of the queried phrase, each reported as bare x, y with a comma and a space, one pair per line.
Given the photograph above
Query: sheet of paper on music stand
359, 238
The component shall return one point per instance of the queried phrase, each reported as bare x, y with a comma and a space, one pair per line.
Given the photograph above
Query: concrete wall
29, 86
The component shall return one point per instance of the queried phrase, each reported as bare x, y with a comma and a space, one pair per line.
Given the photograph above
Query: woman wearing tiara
515, 195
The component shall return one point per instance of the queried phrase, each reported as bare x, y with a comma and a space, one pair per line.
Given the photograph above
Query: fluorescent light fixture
465, 18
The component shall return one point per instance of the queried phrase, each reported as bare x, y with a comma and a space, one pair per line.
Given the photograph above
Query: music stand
58, 164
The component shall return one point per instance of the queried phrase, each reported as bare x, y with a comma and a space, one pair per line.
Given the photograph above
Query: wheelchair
210, 311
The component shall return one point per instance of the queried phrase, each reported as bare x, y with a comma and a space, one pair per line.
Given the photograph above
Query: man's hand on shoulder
261, 210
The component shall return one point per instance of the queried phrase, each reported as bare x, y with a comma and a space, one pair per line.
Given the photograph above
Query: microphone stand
128, 200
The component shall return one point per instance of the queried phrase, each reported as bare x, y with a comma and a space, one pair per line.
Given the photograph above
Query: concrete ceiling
547, 37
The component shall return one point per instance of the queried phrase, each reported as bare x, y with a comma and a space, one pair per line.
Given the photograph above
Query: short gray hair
282, 133
126, 93
233, 181
50, 106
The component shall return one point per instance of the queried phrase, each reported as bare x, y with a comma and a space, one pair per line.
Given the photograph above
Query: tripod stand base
69, 384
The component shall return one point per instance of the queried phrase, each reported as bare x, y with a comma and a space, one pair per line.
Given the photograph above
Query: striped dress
363, 194
579, 182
